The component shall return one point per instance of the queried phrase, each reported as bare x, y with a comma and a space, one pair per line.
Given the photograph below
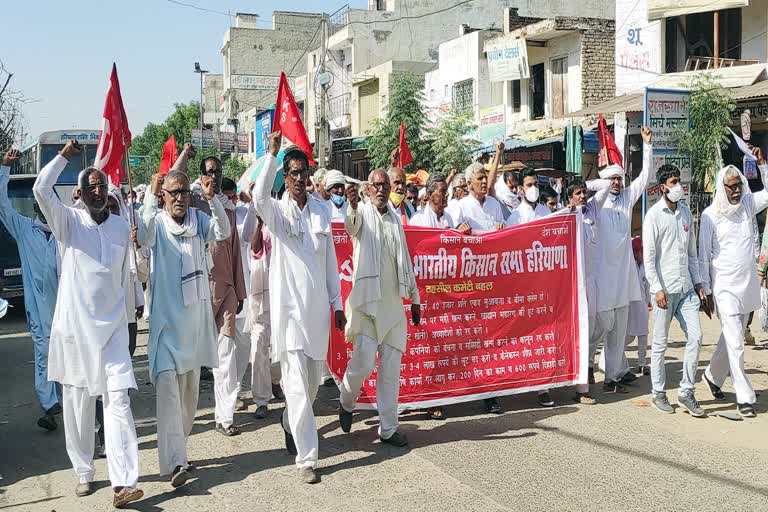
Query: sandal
126, 495
436, 413
228, 431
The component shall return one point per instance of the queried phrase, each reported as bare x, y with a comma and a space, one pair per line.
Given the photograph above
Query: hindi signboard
493, 127
502, 313
226, 140
254, 82
507, 59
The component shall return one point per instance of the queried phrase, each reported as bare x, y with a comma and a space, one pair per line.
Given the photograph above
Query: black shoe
277, 392
628, 378
100, 452
717, 393
229, 431
206, 373
180, 477
55, 410
290, 444
329, 383
345, 420
397, 439
48, 422
591, 378
545, 400
261, 412
746, 411
492, 406
613, 387
645, 370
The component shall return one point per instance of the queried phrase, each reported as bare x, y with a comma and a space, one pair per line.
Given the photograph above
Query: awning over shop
624, 103
520, 143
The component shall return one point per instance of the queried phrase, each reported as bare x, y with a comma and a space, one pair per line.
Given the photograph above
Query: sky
61, 54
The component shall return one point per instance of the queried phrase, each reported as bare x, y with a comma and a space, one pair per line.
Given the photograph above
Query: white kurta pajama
88, 351
303, 284
525, 213
729, 272
381, 278
616, 277
246, 226
480, 217
182, 331
637, 323
427, 218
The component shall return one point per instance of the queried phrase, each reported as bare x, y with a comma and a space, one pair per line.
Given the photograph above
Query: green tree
149, 144
406, 98
234, 167
452, 146
710, 107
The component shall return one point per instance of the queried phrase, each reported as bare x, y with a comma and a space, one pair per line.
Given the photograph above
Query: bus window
21, 196
69, 175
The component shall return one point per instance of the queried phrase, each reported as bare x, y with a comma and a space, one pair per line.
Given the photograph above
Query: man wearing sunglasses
729, 276
303, 285
182, 331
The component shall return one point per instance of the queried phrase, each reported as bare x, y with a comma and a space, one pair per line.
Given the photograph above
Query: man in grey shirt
672, 270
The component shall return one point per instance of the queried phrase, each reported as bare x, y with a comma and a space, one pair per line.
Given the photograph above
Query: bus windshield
73, 168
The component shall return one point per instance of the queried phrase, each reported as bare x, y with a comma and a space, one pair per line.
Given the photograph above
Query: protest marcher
382, 277
265, 377
577, 193
480, 210
457, 190
397, 197
530, 208
335, 183
319, 180
412, 196
423, 200
436, 216
182, 331
617, 282
506, 191
549, 198
637, 325
675, 285
88, 351
304, 284
729, 276
39, 274
227, 297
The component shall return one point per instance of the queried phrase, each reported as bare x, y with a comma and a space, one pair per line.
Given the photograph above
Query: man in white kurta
480, 210
88, 351
182, 331
529, 208
304, 285
616, 282
381, 279
335, 184
729, 275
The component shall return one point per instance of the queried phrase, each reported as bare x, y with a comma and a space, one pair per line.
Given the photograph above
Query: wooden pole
130, 187
717, 39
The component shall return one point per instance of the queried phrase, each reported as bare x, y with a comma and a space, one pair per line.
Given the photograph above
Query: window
560, 87
693, 35
463, 96
537, 94
516, 96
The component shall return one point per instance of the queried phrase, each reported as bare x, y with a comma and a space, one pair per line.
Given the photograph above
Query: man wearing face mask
530, 209
182, 330
335, 183
397, 195
37, 251
672, 270
729, 276
617, 283
88, 352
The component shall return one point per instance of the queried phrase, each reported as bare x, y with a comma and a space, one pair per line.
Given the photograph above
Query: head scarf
332, 178
611, 171
723, 207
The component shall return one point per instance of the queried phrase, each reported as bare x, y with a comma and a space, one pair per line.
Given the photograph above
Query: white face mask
532, 194
675, 193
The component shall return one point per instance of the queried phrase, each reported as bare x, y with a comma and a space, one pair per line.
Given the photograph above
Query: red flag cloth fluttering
288, 119
115, 137
609, 152
405, 152
169, 155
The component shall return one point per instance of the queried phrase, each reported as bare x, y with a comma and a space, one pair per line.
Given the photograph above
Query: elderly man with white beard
729, 276
617, 282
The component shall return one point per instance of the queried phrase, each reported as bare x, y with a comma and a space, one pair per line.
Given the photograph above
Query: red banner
502, 313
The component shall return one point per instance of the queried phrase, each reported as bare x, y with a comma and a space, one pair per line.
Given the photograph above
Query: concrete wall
754, 20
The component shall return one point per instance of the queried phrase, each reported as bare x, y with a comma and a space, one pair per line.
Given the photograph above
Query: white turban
611, 171
332, 178
723, 207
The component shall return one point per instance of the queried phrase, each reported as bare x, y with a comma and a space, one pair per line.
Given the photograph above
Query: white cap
611, 171
332, 178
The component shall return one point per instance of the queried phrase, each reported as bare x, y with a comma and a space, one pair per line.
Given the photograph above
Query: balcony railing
339, 105
338, 20
699, 63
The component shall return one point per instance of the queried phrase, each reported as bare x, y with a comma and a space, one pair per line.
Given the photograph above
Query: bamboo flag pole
130, 187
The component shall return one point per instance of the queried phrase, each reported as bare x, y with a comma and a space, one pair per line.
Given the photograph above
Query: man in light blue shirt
37, 249
672, 270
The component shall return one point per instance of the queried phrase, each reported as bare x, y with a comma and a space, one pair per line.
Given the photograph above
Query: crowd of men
238, 279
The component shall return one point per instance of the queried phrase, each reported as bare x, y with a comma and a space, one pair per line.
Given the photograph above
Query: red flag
169, 155
405, 152
609, 152
288, 119
115, 137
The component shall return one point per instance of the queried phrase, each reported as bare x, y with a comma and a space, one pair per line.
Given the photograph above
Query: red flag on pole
115, 137
169, 155
405, 152
609, 152
288, 119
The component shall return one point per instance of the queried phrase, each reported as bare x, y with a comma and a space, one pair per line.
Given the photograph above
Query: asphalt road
615, 456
